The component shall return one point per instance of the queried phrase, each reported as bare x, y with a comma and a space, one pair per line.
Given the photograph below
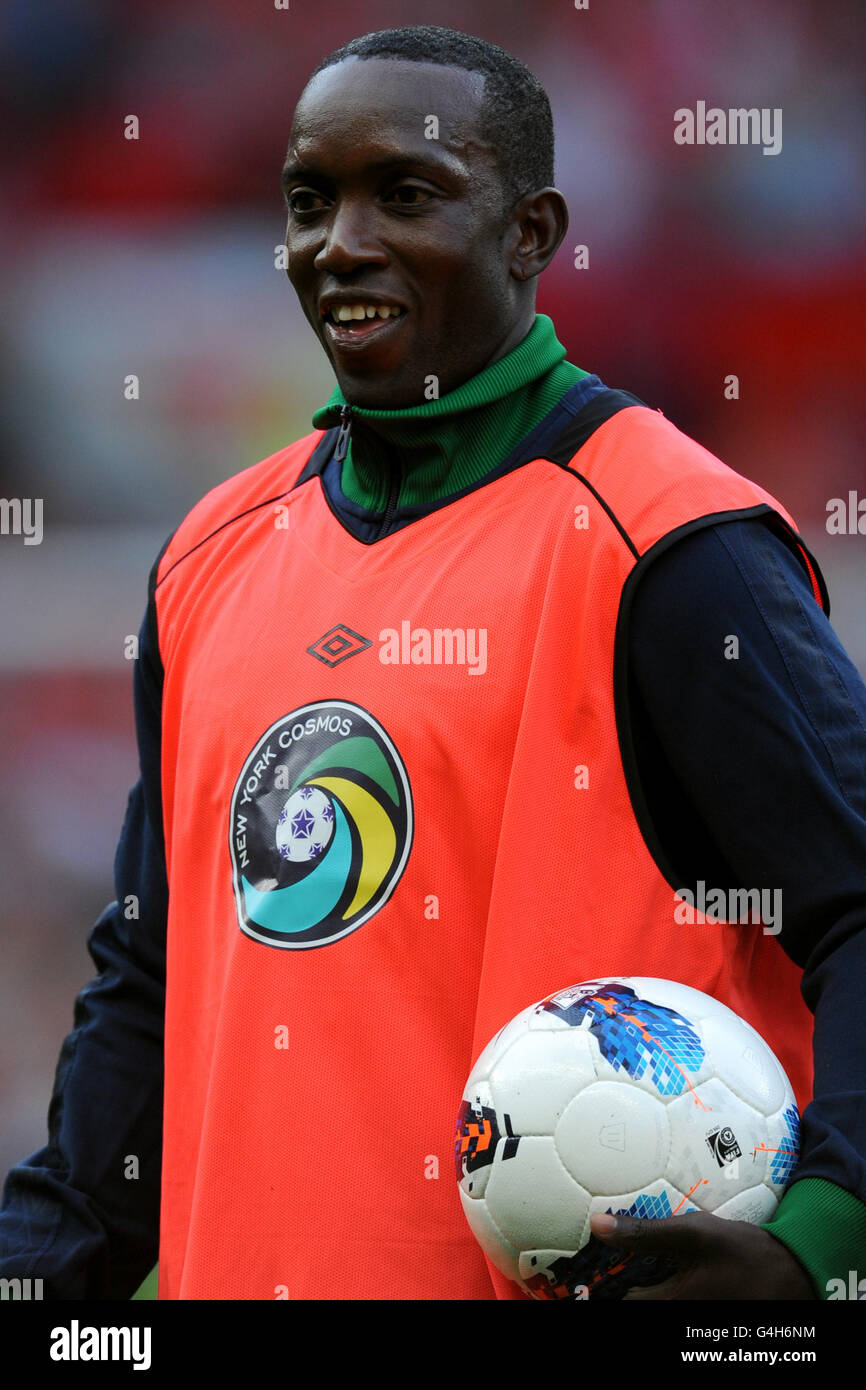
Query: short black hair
515, 114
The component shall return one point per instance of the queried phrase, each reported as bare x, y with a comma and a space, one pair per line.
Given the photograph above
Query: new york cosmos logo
321, 826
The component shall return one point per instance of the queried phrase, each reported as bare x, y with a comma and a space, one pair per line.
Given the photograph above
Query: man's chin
380, 392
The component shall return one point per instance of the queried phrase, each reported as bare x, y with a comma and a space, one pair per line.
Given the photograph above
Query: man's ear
539, 222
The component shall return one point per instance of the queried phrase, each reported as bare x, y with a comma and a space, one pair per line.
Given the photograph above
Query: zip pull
343, 437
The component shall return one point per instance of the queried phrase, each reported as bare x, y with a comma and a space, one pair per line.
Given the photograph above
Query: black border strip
215, 532
605, 506
307, 471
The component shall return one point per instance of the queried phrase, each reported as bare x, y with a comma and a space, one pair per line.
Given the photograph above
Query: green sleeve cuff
825, 1227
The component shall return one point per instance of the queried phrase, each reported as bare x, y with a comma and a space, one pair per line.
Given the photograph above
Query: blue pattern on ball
636, 1035
782, 1163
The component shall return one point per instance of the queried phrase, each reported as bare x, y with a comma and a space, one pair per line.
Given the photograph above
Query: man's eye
410, 195
304, 200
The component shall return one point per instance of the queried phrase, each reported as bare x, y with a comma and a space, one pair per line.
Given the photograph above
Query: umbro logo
338, 644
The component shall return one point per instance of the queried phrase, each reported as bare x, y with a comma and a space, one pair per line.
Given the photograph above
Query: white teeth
344, 313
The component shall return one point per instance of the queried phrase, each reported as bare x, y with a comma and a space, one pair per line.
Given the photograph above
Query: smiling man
363, 888
421, 226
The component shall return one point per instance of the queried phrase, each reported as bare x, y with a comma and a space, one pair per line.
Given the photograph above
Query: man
409, 685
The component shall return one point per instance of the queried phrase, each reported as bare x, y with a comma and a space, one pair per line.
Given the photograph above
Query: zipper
342, 444
341, 448
394, 485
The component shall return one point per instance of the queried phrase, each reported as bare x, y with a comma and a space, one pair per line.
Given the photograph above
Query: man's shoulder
262, 484
654, 478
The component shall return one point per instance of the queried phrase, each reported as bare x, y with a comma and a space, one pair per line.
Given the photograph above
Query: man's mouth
346, 324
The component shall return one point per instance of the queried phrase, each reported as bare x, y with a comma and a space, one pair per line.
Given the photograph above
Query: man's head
418, 178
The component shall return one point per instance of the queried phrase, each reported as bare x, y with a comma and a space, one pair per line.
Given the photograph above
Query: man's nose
351, 239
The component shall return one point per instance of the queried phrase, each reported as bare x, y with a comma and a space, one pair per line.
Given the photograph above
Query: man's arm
755, 770
82, 1213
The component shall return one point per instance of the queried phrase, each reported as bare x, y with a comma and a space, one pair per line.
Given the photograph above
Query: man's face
382, 217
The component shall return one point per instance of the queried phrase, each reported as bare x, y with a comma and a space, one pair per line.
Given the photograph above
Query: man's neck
443, 445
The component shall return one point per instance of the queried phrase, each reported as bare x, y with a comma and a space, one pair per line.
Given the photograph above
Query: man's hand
716, 1258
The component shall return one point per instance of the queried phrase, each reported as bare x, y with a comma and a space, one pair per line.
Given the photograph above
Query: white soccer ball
635, 1096
305, 825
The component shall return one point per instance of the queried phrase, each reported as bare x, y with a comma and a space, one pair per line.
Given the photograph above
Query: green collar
425, 452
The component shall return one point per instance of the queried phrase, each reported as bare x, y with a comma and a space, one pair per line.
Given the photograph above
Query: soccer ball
634, 1096
305, 825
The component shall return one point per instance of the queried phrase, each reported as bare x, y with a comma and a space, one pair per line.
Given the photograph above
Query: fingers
686, 1234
